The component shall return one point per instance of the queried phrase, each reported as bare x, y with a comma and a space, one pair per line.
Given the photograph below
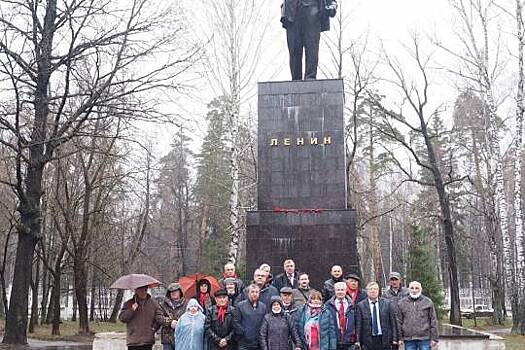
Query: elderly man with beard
417, 320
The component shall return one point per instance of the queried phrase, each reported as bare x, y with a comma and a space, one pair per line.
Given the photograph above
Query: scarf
221, 313
313, 310
202, 299
353, 295
177, 303
311, 327
234, 276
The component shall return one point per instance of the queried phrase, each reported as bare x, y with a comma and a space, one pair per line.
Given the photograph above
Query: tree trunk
3, 271
30, 192
34, 299
50, 306
75, 305
54, 304
45, 296
16, 323
491, 227
373, 209
80, 281
234, 114
517, 293
92, 309
448, 228
116, 306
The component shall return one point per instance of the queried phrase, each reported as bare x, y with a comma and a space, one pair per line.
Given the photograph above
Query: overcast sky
388, 22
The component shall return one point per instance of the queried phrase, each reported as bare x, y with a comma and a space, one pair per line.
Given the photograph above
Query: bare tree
480, 62
61, 60
417, 98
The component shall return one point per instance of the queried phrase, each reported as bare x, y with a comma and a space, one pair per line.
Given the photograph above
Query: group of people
284, 313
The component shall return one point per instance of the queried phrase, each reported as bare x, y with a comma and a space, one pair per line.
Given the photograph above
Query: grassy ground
512, 342
69, 329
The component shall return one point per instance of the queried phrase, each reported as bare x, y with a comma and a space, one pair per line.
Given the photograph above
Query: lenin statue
304, 21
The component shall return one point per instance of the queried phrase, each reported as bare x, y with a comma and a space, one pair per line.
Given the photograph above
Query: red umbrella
189, 284
134, 281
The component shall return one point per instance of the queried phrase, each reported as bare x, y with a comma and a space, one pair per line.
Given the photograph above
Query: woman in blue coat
189, 333
315, 326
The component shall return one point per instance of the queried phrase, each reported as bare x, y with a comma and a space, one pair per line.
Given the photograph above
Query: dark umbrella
134, 281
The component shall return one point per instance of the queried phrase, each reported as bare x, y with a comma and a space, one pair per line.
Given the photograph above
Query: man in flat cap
219, 323
353, 282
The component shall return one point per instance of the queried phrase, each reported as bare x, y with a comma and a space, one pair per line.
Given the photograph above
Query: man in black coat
219, 323
304, 21
289, 277
376, 323
247, 319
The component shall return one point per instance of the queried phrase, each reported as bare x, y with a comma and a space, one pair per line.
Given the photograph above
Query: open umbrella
134, 281
188, 284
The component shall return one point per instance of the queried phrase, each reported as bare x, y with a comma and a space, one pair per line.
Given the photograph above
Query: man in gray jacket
417, 320
395, 291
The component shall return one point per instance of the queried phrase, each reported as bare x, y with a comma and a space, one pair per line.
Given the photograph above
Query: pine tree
175, 236
212, 188
422, 266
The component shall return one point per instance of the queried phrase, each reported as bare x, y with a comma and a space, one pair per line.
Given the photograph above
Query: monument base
315, 239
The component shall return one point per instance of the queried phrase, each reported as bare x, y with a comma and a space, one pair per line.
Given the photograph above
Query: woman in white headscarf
189, 333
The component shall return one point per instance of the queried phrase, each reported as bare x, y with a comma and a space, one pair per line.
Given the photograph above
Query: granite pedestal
302, 204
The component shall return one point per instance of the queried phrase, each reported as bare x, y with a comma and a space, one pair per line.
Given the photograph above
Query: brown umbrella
134, 281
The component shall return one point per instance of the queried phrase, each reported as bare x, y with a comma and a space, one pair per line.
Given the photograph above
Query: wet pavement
50, 345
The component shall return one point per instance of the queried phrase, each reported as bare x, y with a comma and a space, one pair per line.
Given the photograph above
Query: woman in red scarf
203, 295
219, 323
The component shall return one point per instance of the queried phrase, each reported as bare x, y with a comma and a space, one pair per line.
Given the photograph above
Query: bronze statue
304, 21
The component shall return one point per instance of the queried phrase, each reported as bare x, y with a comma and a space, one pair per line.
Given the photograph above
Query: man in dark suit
376, 323
289, 277
304, 21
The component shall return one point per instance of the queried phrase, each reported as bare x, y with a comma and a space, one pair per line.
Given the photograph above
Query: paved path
50, 345
500, 331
